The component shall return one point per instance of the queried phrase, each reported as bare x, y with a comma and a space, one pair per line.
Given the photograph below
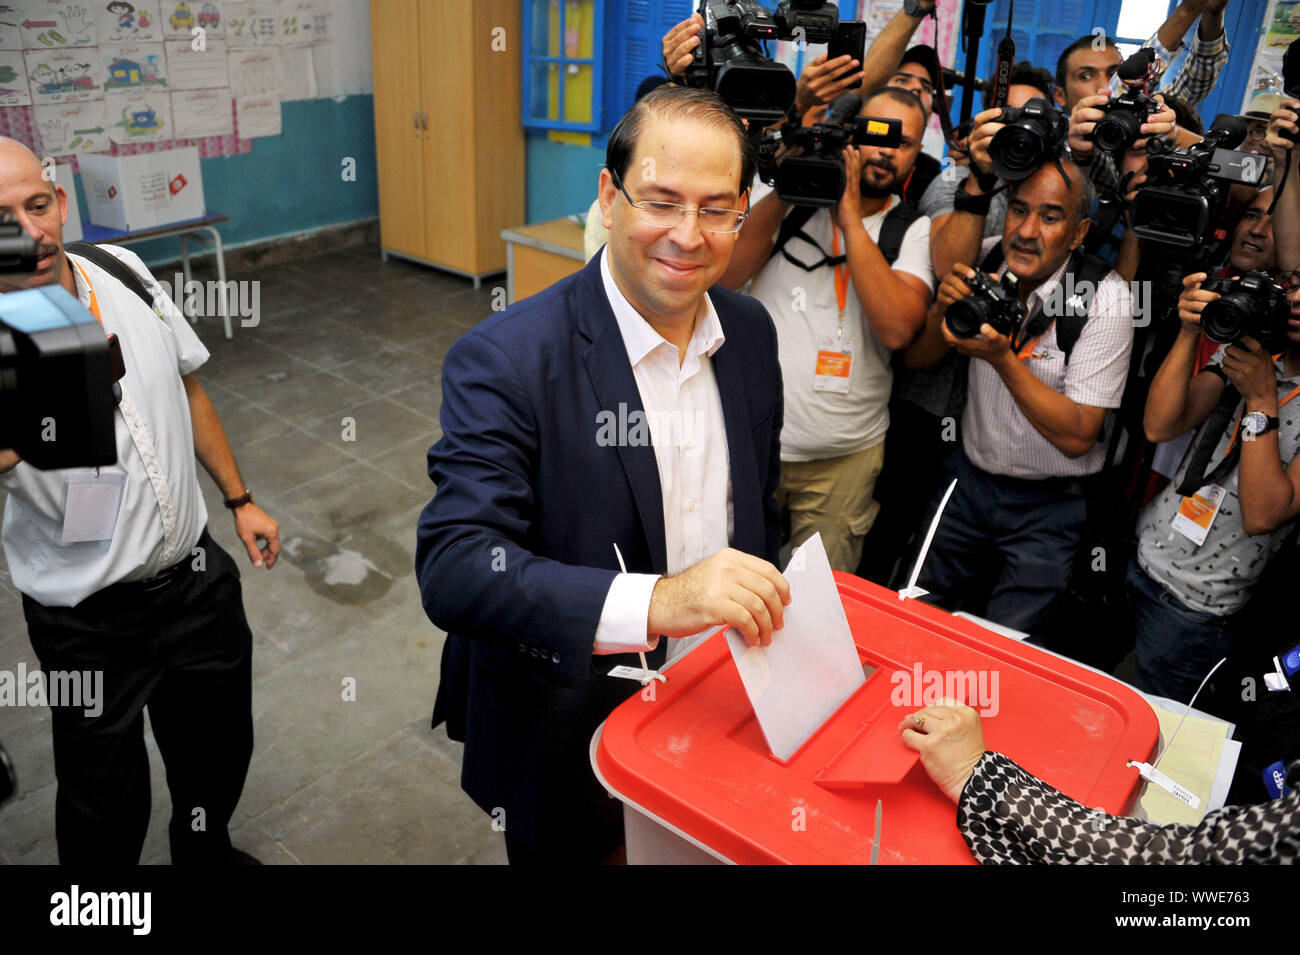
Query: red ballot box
699, 784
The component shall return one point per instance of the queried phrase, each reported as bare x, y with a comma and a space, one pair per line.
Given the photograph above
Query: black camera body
730, 61
1122, 126
1187, 189
994, 302
1031, 135
814, 20
817, 178
1253, 305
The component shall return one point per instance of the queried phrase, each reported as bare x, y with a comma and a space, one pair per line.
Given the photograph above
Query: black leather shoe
240, 857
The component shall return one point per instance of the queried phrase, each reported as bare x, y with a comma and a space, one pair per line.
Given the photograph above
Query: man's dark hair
1062, 62
1025, 73
679, 102
898, 94
1087, 195
1188, 117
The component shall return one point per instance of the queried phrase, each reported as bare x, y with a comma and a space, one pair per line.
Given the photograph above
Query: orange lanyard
841, 278
1294, 391
94, 302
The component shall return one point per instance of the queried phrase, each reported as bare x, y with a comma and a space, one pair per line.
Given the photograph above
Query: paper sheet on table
812, 665
1192, 762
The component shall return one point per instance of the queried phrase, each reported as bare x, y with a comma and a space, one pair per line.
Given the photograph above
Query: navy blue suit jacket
515, 551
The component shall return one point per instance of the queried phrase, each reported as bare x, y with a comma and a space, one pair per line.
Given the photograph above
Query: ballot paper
1193, 761
812, 666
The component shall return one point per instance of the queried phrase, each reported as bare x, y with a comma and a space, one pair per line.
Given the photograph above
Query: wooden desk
541, 254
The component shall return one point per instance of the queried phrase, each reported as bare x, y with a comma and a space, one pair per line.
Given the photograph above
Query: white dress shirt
162, 512
689, 435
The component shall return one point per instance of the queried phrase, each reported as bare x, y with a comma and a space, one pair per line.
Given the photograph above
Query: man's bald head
40, 206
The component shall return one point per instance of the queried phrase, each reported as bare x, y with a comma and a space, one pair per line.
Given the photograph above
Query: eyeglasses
666, 215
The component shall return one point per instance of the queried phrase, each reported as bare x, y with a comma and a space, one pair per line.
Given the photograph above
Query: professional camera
56, 370
817, 177
730, 59
1032, 135
992, 302
1126, 113
1187, 189
1251, 305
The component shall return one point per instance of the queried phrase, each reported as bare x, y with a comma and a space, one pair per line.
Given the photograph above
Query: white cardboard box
143, 191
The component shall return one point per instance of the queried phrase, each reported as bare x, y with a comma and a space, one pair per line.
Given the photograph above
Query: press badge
834, 365
91, 501
1197, 513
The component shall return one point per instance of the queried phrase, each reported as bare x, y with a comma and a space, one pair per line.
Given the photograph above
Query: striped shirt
997, 436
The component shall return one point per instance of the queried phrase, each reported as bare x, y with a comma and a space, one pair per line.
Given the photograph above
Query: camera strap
892, 232
1086, 269
114, 267
1196, 478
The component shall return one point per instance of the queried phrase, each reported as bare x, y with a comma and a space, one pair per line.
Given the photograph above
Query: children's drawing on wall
128, 21
64, 76
13, 80
54, 24
252, 23
183, 17
11, 37
72, 128
138, 116
131, 66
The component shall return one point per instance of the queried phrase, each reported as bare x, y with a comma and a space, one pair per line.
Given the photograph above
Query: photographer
1205, 540
1034, 412
835, 339
126, 579
1283, 124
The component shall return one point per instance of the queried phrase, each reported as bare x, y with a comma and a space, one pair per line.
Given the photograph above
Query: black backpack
892, 232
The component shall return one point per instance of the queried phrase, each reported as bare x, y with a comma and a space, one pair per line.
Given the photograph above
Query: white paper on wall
52, 24
11, 35
139, 116
191, 69
133, 66
64, 75
182, 17
199, 113
258, 116
127, 21
252, 24
13, 79
298, 22
299, 73
257, 72
72, 128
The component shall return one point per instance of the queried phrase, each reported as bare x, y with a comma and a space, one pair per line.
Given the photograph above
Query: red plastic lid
695, 756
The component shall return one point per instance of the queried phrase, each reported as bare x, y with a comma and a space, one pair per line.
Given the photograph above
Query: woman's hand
950, 740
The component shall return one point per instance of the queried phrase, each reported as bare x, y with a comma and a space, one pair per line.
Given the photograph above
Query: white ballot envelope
812, 666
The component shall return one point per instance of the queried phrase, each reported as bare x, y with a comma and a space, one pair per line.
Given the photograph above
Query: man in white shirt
842, 305
149, 600
625, 419
1030, 431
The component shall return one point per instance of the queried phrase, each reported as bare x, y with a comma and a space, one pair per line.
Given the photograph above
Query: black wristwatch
234, 503
913, 8
1256, 423
963, 201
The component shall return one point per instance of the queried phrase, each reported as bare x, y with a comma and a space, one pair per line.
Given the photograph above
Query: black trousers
181, 646
1019, 536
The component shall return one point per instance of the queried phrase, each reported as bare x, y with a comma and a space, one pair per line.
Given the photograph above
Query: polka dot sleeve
1008, 816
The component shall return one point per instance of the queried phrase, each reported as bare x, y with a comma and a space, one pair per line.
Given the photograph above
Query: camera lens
1117, 132
965, 316
1020, 148
1226, 318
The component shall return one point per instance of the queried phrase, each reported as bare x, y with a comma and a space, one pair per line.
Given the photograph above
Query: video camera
817, 177
1032, 135
56, 370
730, 60
1187, 189
1126, 113
1251, 305
994, 302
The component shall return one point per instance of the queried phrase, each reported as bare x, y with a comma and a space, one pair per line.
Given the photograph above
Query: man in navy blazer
623, 406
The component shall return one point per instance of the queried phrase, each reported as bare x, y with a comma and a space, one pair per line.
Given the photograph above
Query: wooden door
399, 121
